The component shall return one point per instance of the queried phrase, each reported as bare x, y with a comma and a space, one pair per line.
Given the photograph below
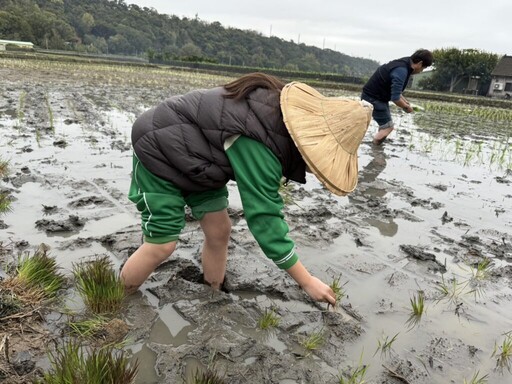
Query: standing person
387, 84
254, 130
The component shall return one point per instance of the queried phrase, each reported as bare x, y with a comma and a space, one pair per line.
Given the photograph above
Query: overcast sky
379, 30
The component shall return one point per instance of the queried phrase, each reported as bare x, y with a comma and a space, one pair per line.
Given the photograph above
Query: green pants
162, 205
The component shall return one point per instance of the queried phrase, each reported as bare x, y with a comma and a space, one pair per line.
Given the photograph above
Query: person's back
379, 84
195, 127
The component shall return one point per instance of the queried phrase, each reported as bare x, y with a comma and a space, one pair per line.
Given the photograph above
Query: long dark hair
241, 87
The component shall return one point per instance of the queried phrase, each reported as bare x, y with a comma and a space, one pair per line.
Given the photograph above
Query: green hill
115, 27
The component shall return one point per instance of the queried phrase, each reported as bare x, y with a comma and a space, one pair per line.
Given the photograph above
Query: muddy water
65, 131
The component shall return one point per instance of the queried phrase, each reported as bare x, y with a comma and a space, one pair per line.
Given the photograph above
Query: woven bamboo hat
327, 131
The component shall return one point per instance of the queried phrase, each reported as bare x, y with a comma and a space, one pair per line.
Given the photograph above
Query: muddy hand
319, 291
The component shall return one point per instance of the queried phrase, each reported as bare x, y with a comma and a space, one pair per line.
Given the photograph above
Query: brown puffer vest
182, 139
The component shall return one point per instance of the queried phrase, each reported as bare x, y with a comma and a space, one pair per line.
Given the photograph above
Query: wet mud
417, 222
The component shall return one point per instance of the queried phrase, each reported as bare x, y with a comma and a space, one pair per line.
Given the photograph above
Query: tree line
456, 67
114, 27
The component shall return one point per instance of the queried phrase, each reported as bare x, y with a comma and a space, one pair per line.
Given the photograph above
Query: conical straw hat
327, 131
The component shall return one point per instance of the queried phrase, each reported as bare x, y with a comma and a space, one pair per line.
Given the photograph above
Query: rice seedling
384, 345
21, 106
88, 327
73, 363
313, 341
417, 309
4, 167
209, 375
482, 269
37, 277
337, 288
9, 304
354, 376
285, 190
5, 203
503, 353
479, 273
476, 379
50, 113
99, 285
451, 291
268, 319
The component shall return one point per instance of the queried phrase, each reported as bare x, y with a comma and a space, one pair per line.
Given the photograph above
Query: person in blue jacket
387, 84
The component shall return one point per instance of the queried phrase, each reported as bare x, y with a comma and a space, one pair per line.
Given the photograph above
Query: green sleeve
258, 176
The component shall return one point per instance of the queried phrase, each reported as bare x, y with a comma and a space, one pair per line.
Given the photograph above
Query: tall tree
453, 66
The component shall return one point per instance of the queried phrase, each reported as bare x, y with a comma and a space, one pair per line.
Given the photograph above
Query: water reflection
371, 190
375, 167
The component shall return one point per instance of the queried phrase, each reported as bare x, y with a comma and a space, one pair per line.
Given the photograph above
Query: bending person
255, 130
387, 84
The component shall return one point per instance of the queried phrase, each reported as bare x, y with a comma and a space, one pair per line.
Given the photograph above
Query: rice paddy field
419, 254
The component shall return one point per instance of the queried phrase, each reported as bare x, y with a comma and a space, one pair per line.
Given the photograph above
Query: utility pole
298, 39
323, 45
270, 34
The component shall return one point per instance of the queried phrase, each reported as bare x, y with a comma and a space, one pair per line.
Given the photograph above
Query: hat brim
327, 131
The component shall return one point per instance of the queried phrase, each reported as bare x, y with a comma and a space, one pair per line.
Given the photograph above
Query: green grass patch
268, 319
313, 341
99, 285
208, 376
417, 309
4, 168
337, 288
88, 327
503, 353
384, 345
9, 304
73, 363
355, 375
37, 276
5, 203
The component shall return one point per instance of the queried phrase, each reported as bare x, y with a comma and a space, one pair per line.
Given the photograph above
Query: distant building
501, 83
19, 44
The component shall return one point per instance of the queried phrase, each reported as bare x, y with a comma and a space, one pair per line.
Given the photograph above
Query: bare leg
381, 135
143, 262
217, 228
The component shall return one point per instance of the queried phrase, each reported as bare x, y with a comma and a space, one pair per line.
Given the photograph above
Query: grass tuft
314, 340
73, 363
503, 353
354, 376
99, 285
88, 327
9, 304
268, 319
417, 309
384, 345
5, 203
4, 167
337, 288
37, 277
209, 375
476, 379
286, 192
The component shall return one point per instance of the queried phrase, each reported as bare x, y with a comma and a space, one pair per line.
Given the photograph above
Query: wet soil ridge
431, 214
